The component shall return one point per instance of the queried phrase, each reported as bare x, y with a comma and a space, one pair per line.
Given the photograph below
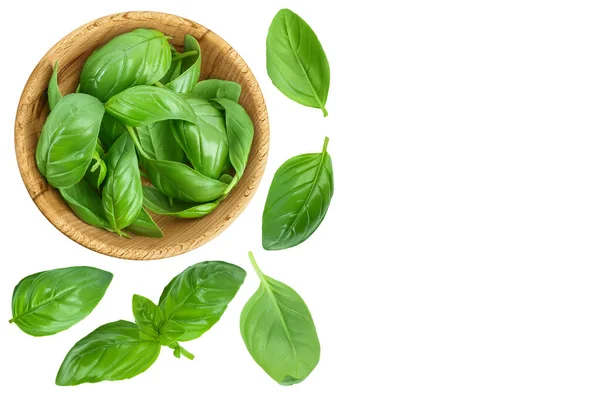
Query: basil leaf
182, 182
298, 200
198, 296
174, 70
170, 332
112, 352
215, 88
51, 301
296, 62
96, 172
279, 331
54, 95
240, 132
144, 105
148, 316
226, 178
185, 82
158, 203
158, 142
139, 57
68, 139
122, 195
86, 203
144, 225
110, 130
204, 141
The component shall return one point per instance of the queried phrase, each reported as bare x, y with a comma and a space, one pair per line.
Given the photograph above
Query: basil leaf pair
298, 200
296, 62
190, 305
279, 331
51, 301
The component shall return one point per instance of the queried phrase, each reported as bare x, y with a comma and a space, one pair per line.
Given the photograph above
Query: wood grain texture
219, 60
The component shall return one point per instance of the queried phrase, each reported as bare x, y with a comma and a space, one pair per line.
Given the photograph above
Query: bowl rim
37, 186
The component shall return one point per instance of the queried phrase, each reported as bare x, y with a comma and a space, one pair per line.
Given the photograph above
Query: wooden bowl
219, 60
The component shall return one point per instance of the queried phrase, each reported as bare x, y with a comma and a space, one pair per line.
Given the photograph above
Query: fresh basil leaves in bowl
184, 225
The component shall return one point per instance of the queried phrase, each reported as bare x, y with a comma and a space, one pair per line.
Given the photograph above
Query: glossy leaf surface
86, 203
110, 130
148, 316
158, 142
144, 225
217, 88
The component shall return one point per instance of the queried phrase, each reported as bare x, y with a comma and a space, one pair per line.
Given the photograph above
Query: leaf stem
184, 55
10, 321
325, 144
325, 113
186, 353
255, 266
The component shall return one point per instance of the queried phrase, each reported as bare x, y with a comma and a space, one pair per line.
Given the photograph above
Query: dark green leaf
185, 82
174, 70
86, 203
182, 182
298, 200
144, 225
112, 352
54, 95
68, 139
96, 172
216, 88
240, 132
296, 62
279, 331
144, 105
52, 301
122, 195
205, 140
110, 130
158, 203
140, 57
148, 316
198, 296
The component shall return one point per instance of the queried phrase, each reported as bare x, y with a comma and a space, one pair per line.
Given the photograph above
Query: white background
459, 258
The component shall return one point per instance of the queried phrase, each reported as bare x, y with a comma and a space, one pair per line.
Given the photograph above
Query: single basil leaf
114, 351
148, 316
216, 88
170, 332
296, 62
185, 82
298, 200
122, 195
158, 203
240, 132
68, 139
86, 203
279, 331
54, 95
144, 105
139, 57
182, 182
110, 130
158, 142
204, 141
144, 225
51, 301
198, 296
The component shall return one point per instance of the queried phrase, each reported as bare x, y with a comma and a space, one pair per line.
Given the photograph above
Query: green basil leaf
174, 70
185, 82
54, 95
215, 88
68, 139
112, 352
204, 141
86, 203
122, 195
148, 316
144, 225
110, 130
198, 296
139, 57
158, 142
226, 178
96, 172
51, 301
296, 62
298, 200
182, 182
158, 203
144, 105
279, 331
240, 132
170, 332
